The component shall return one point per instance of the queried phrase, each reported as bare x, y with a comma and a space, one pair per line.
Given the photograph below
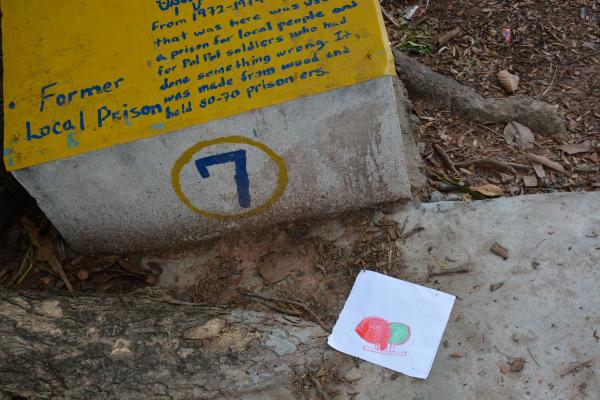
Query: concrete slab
547, 311
325, 153
545, 307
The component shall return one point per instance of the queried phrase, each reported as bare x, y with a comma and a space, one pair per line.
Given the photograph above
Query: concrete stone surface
545, 306
331, 152
546, 311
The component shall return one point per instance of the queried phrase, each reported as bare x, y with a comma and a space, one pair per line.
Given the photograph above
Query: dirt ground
555, 50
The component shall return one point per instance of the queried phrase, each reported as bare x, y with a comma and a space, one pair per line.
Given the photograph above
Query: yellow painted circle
187, 156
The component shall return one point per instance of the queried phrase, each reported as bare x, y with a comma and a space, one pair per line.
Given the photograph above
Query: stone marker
149, 124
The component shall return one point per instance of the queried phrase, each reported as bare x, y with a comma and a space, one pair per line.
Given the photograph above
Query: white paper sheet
392, 323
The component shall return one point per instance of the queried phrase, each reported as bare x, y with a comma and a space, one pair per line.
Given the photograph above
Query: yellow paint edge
390, 68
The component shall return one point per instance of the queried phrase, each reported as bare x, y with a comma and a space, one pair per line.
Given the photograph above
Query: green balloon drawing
399, 333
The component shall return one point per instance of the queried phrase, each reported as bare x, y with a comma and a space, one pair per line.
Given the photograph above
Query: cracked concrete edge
408, 125
412, 157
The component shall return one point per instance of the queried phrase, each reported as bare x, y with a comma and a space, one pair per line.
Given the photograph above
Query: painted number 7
241, 173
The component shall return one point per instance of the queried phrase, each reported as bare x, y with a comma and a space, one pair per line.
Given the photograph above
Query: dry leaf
530, 181
44, 249
576, 148
46, 280
539, 170
32, 231
508, 81
575, 92
489, 190
57, 267
446, 37
518, 133
127, 266
499, 250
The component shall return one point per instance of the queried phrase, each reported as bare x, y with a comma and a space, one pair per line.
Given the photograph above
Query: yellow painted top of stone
82, 75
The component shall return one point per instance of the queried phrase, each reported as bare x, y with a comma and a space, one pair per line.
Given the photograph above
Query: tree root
146, 345
423, 83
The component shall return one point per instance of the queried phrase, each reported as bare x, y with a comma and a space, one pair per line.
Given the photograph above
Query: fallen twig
413, 231
519, 166
27, 271
57, 267
488, 162
546, 162
587, 169
463, 188
452, 271
445, 158
19, 271
550, 85
390, 18
318, 386
280, 309
496, 286
532, 357
577, 367
582, 57
294, 302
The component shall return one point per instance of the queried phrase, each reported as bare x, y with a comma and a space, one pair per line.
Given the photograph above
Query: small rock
436, 196
378, 216
82, 274
454, 197
517, 364
445, 187
512, 189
